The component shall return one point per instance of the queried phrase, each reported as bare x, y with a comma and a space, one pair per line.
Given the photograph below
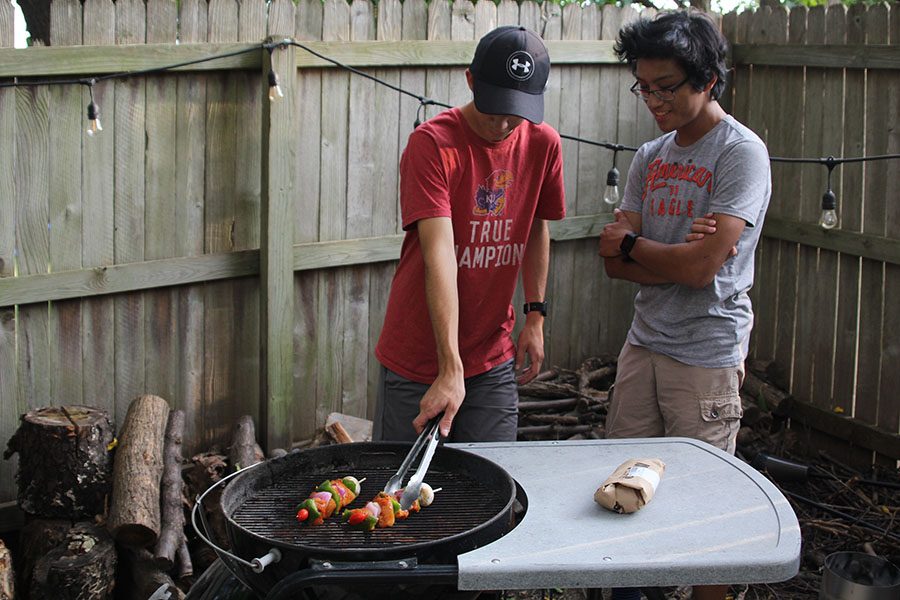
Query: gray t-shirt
726, 171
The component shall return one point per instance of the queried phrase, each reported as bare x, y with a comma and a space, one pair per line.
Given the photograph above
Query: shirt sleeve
424, 181
552, 201
743, 182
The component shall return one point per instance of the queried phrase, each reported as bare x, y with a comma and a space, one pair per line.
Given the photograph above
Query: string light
828, 218
274, 87
611, 193
93, 114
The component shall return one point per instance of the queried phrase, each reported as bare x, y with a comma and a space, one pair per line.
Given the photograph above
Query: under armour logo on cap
519, 66
509, 71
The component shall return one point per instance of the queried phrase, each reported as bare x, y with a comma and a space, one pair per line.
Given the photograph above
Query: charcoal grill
475, 506
713, 520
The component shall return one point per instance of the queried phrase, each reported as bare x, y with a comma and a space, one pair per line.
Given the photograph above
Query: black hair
689, 37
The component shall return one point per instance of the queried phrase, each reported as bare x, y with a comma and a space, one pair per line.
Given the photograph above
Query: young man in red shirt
478, 184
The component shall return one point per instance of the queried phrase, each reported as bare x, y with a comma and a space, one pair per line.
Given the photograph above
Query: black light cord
89, 81
424, 101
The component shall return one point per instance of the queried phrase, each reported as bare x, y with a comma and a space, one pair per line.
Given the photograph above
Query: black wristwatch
628, 243
538, 306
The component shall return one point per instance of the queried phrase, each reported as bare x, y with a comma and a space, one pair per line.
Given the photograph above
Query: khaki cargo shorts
657, 396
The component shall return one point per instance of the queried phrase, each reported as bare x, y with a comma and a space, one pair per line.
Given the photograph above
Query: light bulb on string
274, 87
611, 192
829, 219
93, 114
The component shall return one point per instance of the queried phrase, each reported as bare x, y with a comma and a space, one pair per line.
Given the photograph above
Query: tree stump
82, 567
134, 511
65, 463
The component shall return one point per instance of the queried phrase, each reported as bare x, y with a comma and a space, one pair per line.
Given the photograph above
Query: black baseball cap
510, 70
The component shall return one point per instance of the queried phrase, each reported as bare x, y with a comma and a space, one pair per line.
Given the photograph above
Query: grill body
473, 508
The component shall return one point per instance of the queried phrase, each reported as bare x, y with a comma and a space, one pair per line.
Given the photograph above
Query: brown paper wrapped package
631, 485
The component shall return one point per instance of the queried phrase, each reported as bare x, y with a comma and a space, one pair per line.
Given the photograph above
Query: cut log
183, 560
134, 513
767, 396
82, 567
146, 578
7, 576
207, 469
65, 463
359, 430
243, 451
171, 535
36, 539
338, 433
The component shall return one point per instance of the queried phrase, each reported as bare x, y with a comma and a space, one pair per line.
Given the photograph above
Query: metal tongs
428, 440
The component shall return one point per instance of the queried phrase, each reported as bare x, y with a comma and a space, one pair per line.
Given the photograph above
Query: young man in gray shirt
682, 366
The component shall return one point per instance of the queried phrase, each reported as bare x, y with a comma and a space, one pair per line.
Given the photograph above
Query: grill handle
257, 565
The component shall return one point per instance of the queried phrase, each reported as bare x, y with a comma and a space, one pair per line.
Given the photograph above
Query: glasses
663, 95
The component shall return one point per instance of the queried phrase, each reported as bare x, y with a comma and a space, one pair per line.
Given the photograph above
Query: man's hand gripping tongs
428, 440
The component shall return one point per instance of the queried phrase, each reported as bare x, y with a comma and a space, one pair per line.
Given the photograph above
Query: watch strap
536, 306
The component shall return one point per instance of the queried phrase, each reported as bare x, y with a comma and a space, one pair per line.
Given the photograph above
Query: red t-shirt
492, 191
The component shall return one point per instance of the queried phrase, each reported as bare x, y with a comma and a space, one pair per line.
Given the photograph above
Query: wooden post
276, 254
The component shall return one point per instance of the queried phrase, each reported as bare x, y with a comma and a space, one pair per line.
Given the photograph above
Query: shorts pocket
720, 420
720, 408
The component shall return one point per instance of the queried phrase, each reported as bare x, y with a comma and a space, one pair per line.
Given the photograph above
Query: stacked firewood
562, 404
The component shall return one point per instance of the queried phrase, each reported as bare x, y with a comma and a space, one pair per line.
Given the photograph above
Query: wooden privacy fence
815, 83
157, 257
234, 256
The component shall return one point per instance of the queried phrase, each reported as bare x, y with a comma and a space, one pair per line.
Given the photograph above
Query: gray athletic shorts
489, 412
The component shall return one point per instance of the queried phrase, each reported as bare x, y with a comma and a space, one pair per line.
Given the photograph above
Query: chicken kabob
385, 509
328, 498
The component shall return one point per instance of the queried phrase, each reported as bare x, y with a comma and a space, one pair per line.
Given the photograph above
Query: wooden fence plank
462, 27
99, 226
562, 261
889, 409
363, 146
333, 216
308, 26
132, 170
785, 139
190, 141
249, 93
276, 260
31, 218
764, 294
850, 196
222, 302
392, 25
161, 327
282, 15
9, 406
852, 56
437, 82
595, 122
234, 56
875, 191
809, 192
66, 208
508, 13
